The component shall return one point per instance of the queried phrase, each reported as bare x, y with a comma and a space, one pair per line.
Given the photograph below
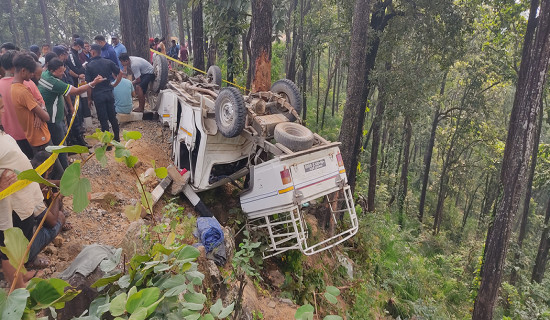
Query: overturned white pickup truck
286, 171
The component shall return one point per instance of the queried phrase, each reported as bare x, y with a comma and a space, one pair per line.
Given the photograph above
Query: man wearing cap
107, 51
102, 94
36, 50
119, 48
143, 74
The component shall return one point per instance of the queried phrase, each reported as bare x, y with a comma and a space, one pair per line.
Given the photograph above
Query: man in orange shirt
32, 117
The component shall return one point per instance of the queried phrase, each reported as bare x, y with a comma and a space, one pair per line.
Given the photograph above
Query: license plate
315, 165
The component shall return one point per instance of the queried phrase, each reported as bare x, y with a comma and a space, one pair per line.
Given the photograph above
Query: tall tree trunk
318, 85
519, 143
329, 81
244, 52
198, 36
542, 253
212, 54
334, 91
134, 26
358, 90
261, 45
181, 30
44, 11
394, 188
527, 199
468, 207
292, 42
11, 21
230, 60
187, 27
429, 153
164, 20
404, 181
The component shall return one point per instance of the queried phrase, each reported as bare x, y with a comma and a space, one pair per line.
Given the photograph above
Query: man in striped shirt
53, 90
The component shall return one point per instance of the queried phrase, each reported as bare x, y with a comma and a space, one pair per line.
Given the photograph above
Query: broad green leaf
193, 316
107, 280
332, 317
112, 262
147, 200
100, 155
13, 306
44, 293
33, 176
157, 247
333, 290
161, 267
188, 252
226, 311
170, 239
122, 152
127, 135
332, 299
216, 308
174, 291
124, 281
68, 295
194, 297
207, 317
117, 306
139, 314
173, 281
142, 298
161, 172
72, 184
132, 291
133, 212
193, 306
16, 245
153, 307
66, 149
99, 306
130, 161
304, 312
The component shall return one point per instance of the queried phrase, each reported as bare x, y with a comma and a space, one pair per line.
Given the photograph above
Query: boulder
132, 243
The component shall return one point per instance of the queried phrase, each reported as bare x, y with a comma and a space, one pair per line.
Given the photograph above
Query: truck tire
230, 112
160, 68
293, 136
214, 75
291, 93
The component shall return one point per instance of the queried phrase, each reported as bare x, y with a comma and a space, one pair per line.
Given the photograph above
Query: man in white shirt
143, 74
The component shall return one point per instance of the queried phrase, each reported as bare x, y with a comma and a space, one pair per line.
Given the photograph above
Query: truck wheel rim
227, 114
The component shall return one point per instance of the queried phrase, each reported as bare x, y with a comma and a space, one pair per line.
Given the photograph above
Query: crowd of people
38, 88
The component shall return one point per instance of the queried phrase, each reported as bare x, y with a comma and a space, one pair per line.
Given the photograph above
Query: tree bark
404, 181
44, 11
212, 54
292, 48
542, 253
527, 199
261, 45
189, 38
181, 29
164, 20
11, 21
329, 81
134, 26
198, 35
428, 155
519, 143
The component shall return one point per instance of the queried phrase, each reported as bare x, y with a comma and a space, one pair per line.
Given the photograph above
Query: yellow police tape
193, 68
20, 184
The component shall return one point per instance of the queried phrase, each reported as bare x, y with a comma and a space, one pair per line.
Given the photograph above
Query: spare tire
293, 136
214, 75
291, 93
160, 68
230, 112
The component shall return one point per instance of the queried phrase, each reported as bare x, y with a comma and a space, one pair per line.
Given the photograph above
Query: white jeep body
280, 185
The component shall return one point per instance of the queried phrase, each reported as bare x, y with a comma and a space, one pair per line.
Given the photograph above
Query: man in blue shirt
107, 51
119, 48
123, 96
